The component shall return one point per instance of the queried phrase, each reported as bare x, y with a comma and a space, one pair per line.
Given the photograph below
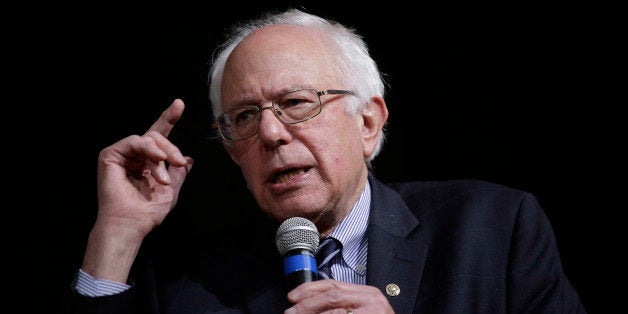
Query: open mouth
285, 176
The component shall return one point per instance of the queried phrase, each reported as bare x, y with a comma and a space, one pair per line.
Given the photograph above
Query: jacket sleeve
536, 279
119, 303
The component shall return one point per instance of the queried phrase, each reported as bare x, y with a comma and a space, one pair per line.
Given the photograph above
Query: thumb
178, 175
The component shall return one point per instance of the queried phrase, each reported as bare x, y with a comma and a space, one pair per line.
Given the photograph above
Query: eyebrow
245, 101
250, 101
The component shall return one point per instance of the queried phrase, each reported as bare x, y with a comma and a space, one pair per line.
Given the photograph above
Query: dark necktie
327, 250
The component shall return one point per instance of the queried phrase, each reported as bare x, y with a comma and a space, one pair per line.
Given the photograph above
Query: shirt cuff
89, 286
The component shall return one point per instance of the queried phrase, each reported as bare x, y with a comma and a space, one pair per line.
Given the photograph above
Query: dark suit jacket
450, 247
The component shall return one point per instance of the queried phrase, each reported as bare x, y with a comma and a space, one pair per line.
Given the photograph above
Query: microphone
297, 241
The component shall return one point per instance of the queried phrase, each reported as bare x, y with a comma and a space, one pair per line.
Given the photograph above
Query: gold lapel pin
392, 290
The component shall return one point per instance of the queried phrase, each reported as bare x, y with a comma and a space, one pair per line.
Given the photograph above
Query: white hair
355, 67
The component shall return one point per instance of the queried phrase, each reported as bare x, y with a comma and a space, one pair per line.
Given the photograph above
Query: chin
280, 216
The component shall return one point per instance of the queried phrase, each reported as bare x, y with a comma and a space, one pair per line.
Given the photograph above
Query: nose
271, 129
261, 109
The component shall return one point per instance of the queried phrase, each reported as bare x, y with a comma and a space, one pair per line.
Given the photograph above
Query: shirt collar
352, 230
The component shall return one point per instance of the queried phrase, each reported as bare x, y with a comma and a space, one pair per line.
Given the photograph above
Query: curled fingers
149, 154
331, 296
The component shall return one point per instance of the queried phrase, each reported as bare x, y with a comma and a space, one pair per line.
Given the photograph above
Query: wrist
110, 252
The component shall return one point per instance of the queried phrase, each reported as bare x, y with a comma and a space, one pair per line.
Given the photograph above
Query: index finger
168, 118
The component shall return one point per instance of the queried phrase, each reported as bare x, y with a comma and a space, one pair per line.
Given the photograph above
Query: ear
374, 116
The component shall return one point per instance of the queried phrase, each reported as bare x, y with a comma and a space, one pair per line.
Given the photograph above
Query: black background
515, 97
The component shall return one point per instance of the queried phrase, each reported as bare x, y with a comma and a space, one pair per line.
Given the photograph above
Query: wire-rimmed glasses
292, 107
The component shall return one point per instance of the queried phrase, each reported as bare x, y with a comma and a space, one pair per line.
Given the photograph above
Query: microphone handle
299, 266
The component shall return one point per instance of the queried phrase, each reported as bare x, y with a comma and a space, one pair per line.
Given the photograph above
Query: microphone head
296, 233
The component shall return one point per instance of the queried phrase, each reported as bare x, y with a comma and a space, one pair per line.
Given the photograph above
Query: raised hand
139, 179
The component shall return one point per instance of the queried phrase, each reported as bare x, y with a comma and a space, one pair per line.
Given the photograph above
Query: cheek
340, 146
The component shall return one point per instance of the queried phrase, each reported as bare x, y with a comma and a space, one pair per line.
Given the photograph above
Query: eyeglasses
290, 108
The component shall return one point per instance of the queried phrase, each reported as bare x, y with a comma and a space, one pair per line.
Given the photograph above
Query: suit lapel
395, 257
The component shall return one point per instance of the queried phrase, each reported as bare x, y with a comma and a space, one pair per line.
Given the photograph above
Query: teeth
285, 176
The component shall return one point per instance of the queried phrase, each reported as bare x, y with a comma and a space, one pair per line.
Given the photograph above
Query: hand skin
136, 190
332, 296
